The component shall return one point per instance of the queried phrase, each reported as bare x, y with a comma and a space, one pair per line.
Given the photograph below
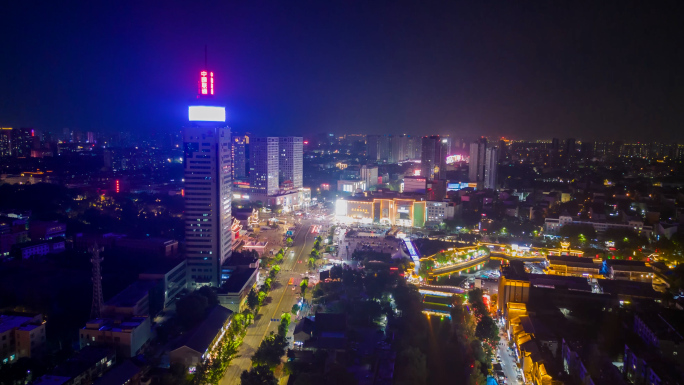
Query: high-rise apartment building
22, 141
378, 148
5, 141
207, 164
369, 174
398, 148
291, 162
263, 165
414, 147
569, 151
433, 157
448, 144
239, 153
372, 148
477, 161
491, 168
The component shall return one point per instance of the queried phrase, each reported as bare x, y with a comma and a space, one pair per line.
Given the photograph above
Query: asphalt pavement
508, 362
282, 297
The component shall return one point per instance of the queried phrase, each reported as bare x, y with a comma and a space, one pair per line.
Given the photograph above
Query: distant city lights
451, 159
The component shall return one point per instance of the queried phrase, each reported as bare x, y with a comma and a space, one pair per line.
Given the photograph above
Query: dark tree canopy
258, 375
191, 309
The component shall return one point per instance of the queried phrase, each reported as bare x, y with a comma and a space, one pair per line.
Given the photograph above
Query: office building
263, 165
21, 335
239, 153
291, 162
208, 185
476, 168
126, 336
438, 212
491, 166
173, 275
433, 157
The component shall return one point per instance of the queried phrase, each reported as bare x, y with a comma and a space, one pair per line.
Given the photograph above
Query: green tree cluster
270, 351
303, 286
285, 320
214, 368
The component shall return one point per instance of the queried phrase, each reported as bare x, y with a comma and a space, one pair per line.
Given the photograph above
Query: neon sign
206, 84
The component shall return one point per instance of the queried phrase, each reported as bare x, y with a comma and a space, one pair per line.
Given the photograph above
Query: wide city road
282, 297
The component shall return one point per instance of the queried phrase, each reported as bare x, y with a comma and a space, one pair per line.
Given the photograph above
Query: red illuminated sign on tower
206, 83
117, 186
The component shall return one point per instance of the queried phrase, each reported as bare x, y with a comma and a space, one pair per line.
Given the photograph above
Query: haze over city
589, 70
341, 193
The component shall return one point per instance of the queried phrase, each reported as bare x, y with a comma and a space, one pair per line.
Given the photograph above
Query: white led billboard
207, 114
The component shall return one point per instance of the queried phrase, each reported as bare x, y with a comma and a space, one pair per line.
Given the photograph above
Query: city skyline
500, 70
349, 193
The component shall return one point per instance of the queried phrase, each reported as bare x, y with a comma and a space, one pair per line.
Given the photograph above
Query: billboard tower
207, 166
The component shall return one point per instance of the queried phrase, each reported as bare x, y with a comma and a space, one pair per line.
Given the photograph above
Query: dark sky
523, 69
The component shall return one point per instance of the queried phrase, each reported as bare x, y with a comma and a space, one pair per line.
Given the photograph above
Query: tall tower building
433, 157
207, 164
291, 162
477, 161
263, 165
239, 153
491, 168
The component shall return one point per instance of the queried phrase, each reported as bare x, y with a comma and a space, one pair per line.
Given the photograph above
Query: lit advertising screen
207, 114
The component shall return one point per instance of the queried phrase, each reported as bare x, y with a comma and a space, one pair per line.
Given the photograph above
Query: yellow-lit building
570, 266
514, 286
396, 211
532, 362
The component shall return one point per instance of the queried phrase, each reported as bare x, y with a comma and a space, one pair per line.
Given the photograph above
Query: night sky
592, 70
